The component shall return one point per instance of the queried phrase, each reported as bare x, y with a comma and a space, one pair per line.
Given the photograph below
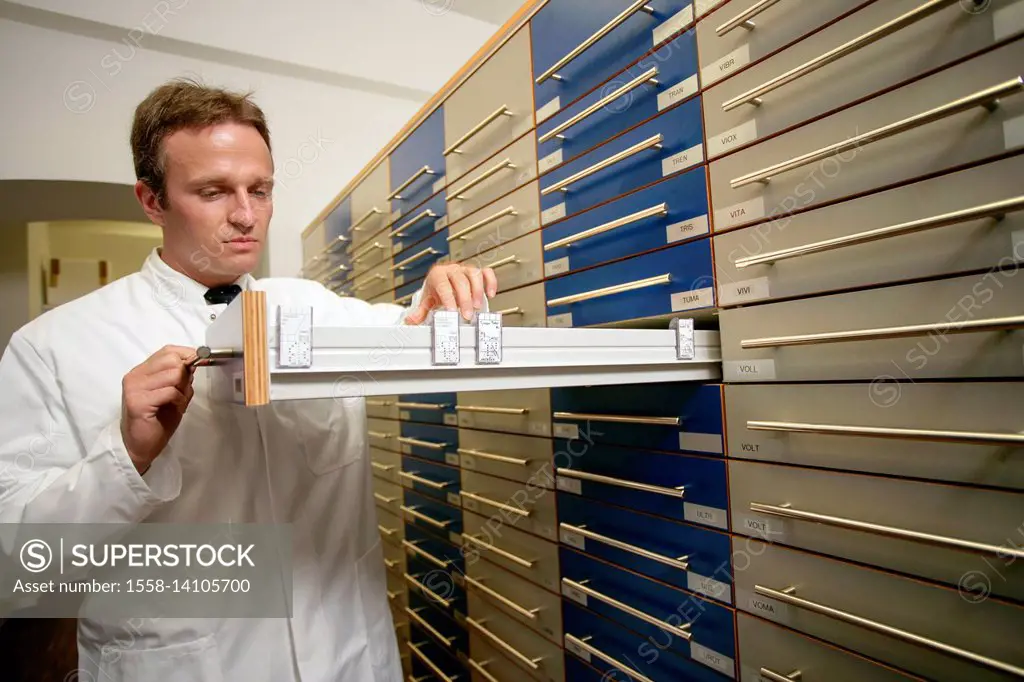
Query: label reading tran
749, 370
549, 110
677, 93
567, 431
681, 20
552, 214
707, 516
686, 229
724, 141
690, 300
556, 267
682, 160
726, 65
744, 291
713, 659
739, 213
550, 161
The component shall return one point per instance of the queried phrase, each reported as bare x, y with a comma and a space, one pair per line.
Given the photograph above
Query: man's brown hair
184, 104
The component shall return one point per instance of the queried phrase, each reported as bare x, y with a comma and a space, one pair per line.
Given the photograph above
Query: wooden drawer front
398, 592
386, 464
390, 526
416, 226
986, 627
394, 558
491, 108
374, 282
940, 226
941, 431
525, 411
826, 512
522, 307
373, 251
525, 459
517, 598
886, 140
515, 263
371, 209
531, 510
928, 39
428, 408
388, 495
509, 169
524, 554
384, 433
382, 407
492, 632
764, 646
819, 338
499, 222
429, 441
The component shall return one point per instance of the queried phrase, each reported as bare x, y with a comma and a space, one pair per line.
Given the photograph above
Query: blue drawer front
423, 147
436, 247
681, 131
415, 226
708, 552
440, 656
676, 64
685, 198
712, 624
445, 436
427, 609
442, 582
436, 473
429, 416
339, 221
450, 517
643, 654
431, 544
562, 25
706, 498
408, 289
578, 671
690, 287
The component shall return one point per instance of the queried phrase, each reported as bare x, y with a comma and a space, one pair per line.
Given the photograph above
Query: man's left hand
455, 286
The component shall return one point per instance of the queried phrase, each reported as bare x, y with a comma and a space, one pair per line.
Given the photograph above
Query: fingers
463, 292
175, 376
419, 315
169, 396
445, 292
476, 281
490, 282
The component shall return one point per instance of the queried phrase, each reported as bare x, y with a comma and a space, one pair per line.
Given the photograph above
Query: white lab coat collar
179, 287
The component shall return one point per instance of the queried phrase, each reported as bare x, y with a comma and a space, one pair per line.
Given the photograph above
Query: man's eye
209, 193
261, 193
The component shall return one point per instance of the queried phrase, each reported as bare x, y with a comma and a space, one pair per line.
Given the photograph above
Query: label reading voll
678, 92
550, 161
567, 431
688, 229
744, 291
707, 516
761, 448
552, 214
739, 213
440, 183
701, 442
548, 110
454, 500
1008, 20
451, 458
556, 267
569, 485
726, 65
734, 137
713, 659
574, 594
769, 530
682, 160
451, 420
575, 649
749, 370
710, 587
1017, 240
1013, 132
572, 539
562, 321
678, 22
690, 300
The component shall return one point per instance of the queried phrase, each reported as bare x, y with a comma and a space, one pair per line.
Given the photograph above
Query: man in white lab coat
101, 420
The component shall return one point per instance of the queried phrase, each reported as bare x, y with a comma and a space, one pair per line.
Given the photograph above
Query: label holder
683, 327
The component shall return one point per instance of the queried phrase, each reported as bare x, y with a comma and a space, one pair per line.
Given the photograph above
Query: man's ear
150, 202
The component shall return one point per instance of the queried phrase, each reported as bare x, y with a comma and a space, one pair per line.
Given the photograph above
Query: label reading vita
740, 213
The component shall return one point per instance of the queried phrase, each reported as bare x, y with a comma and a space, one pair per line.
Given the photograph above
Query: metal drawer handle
508, 260
426, 590
503, 110
772, 676
986, 98
521, 513
384, 498
379, 403
511, 311
368, 282
365, 253
619, 418
422, 443
787, 596
531, 663
379, 434
390, 563
653, 142
415, 649
332, 246
333, 273
682, 563
682, 631
754, 96
744, 18
392, 596
422, 215
429, 251
609, 291
397, 194
422, 406
500, 598
411, 511
493, 457
525, 563
413, 476
383, 530
970, 326
648, 76
597, 653
382, 467
660, 210
679, 492
888, 531
414, 614
968, 437
639, 5
357, 225
492, 410
411, 546
479, 667
995, 210
461, 234
506, 164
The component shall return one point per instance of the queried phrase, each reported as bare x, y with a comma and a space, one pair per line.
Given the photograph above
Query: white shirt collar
173, 287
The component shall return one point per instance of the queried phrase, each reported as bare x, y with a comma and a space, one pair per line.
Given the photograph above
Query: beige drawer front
390, 525
957, 432
374, 282
531, 605
387, 297
398, 591
725, 45
491, 109
970, 529
983, 626
884, 140
384, 433
770, 343
523, 307
506, 219
515, 263
382, 407
524, 411
512, 167
371, 208
386, 464
525, 555
531, 510
394, 558
493, 636
931, 36
940, 226
313, 244
370, 253
387, 495
525, 459
780, 652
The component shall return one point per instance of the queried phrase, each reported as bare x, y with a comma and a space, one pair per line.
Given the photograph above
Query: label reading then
572, 539
707, 516
556, 267
701, 442
744, 291
563, 321
1013, 132
713, 659
567, 431
682, 160
710, 587
677, 93
740, 213
451, 458
1017, 240
1008, 20
552, 214
681, 20
575, 649
550, 161
574, 594
549, 110
726, 65
689, 300
687, 229
569, 485
734, 137
451, 420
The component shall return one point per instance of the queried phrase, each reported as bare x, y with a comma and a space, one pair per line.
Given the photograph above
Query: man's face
218, 201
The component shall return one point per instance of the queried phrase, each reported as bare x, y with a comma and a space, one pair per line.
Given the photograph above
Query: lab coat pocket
373, 591
195, 661
328, 432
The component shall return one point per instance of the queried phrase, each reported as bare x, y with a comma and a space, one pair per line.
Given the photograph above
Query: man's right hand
154, 396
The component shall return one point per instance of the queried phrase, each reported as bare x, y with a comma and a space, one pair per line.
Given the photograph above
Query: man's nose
242, 214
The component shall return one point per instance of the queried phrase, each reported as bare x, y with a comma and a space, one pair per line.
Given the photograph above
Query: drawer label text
744, 291
552, 214
550, 161
723, 142
682, 160
687, 229
562, 321
574, 594
749, 370
572, 539
712, 659
577, 650
768, 608
451, 458
690, 300
540, 428
549, 110
707, 516
767, 448
739, 213
454, 500
451, 420
569, 485
1013, 132
701, 442
1008, 20
556, 267
726, 65
440, 183
404, 415
467, 462
762, 528
568, 431
678, 92
709, 587
681, 20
